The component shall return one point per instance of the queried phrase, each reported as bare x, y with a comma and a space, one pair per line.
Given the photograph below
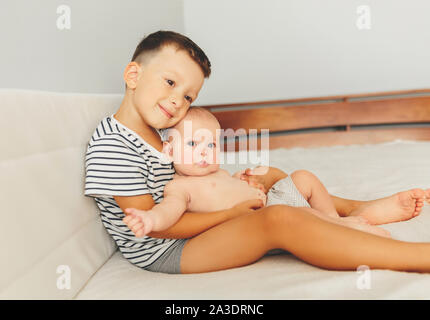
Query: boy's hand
246, 207
139, 221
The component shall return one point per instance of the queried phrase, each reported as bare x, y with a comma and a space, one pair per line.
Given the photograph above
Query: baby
199, 185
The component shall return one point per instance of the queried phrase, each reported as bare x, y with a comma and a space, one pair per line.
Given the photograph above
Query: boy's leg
314, 192
243, 240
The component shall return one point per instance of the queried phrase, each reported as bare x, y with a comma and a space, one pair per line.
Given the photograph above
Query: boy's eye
189, 99
170, 82
191, 143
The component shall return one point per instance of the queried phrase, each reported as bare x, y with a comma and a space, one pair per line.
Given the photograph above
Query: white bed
361, 172
61, 250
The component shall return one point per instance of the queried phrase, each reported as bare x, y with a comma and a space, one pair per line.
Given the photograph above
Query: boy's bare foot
355, 219
367, 228
398, 207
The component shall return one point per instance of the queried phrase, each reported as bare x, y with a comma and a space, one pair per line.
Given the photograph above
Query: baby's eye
191, 143
189, 99
170, 82
211, 145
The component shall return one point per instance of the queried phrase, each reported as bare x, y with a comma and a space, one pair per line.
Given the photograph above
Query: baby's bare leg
314, 192
244, 240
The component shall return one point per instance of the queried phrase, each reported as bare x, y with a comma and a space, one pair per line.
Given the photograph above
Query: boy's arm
193, 223
190, 224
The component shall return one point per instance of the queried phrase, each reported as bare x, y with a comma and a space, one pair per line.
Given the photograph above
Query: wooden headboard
335, 120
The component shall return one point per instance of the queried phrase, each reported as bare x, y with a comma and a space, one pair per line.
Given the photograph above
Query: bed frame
327, 121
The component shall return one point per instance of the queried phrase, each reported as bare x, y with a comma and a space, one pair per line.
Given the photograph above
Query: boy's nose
175, 102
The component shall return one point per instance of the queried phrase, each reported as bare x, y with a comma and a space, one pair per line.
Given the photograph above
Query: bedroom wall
274, 49
39, 51
277, 49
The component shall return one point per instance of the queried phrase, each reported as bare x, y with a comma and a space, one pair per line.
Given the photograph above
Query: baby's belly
222, 198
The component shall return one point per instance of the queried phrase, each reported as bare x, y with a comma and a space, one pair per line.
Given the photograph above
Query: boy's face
195, 148
166, 85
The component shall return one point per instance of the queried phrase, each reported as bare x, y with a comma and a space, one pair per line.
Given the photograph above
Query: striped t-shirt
119, 162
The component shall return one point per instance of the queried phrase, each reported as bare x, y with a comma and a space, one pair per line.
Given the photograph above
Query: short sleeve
113, 168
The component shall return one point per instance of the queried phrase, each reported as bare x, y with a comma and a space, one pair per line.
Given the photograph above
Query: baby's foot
398, 207
366, 227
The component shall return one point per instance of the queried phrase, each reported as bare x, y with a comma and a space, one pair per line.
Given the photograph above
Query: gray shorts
282, 192
169, 261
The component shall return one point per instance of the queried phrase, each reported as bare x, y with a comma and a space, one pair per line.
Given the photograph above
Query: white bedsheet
361, 172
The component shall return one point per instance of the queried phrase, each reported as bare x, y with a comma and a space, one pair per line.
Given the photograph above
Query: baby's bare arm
174, 204
161, 216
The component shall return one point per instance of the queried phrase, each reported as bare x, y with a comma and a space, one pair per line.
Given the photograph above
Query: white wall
278, 49
272, 49
91, 55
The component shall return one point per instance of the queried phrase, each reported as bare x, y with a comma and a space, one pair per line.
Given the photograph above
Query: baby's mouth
202, 164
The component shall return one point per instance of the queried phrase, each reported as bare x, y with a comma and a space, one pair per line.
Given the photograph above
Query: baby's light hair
194, 113
199, 113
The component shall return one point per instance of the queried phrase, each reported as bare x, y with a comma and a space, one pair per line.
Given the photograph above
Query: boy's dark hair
159, 39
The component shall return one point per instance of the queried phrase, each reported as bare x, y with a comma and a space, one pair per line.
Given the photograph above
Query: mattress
360, 172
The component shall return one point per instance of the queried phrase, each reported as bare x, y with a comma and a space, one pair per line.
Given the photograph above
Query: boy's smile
166, 112
160, 89
167, 83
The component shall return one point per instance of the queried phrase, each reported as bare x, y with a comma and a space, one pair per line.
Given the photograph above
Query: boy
125, 168
200, 185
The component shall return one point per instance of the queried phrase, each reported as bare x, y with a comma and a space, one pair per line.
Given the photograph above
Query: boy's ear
132, 74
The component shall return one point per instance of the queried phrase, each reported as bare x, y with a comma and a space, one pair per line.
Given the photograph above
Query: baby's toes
428, 195
418, 209
382, 232
386, 234
362, 220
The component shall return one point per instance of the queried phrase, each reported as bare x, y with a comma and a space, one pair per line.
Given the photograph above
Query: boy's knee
279, 215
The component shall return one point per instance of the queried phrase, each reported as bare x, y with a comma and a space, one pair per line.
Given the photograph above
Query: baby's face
166, 85
195, 147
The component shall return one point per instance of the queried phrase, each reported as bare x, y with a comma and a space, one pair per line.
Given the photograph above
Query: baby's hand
139, 221
266, 176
